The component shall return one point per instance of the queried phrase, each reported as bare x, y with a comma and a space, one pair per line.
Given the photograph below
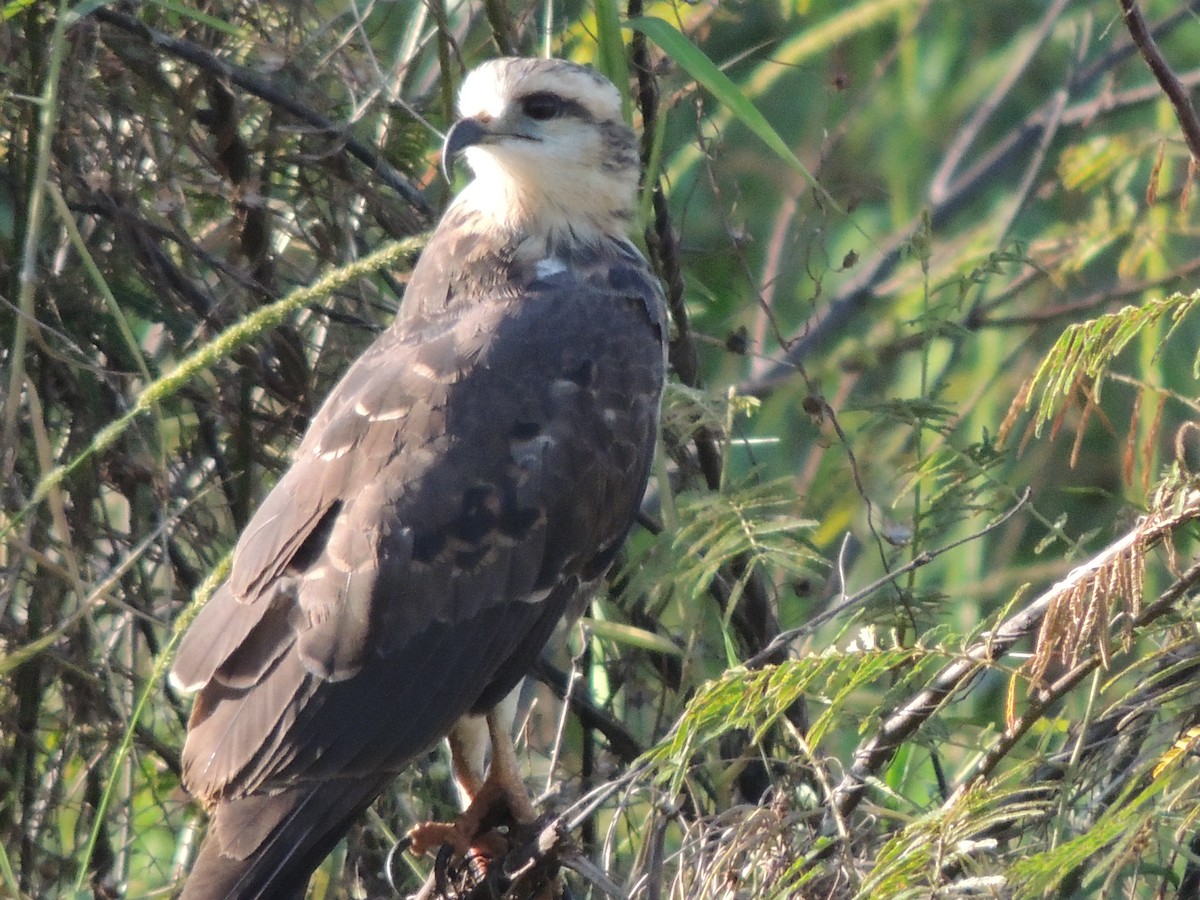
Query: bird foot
474, 832
510, 860
428, 836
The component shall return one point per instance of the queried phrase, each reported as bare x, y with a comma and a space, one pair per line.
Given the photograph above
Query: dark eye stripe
545, 105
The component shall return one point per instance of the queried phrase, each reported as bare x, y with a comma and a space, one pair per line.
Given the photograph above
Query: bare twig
1181, 102
923, 559
268, 92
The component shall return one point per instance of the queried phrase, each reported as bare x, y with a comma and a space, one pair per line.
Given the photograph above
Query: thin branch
241, 332
1053, 693
1123, 291
263, 89
1181, 102
922, 559
940, 186
875, 752
502, 27
822, 328
621, 740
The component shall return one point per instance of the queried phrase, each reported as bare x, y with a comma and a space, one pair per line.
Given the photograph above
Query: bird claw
428, 836
464, 867
518, 861
460, 842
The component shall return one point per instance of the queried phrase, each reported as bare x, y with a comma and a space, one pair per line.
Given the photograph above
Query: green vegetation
912, 612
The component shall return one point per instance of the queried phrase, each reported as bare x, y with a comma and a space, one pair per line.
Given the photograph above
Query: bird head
547, 144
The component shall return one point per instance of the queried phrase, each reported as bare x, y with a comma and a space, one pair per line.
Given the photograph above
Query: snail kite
470, 477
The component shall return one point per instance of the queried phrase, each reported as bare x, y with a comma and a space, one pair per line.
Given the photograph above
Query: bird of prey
472, 475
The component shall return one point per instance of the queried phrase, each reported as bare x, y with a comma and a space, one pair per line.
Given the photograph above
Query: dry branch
873, 754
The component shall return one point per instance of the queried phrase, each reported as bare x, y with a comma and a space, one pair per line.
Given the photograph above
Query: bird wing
475, 466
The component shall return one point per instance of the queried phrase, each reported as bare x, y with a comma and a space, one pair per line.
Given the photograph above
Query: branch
1185, 112
771, 651
820, 330
263, 89
502, 26
872, 755
620, 739
755, 618
1052, 693
221, 346
940, 186
1175, 280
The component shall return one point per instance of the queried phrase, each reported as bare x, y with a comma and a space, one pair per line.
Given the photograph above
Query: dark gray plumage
473, 470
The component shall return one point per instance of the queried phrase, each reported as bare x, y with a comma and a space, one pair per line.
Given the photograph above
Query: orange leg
503, 785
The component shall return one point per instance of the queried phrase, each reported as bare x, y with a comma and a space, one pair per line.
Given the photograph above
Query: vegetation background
913, 609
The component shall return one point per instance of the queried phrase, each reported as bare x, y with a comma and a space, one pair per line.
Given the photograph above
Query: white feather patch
551, 265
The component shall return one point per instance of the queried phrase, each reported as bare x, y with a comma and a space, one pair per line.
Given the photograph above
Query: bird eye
542, 106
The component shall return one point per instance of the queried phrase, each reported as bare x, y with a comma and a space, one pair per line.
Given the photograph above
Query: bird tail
266, 846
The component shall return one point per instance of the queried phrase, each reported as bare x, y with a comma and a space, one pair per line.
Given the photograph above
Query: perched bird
472, 475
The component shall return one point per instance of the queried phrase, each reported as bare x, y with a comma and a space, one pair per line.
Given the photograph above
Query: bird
463, 488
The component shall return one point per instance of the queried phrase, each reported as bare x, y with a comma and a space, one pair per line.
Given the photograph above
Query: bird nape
461, 490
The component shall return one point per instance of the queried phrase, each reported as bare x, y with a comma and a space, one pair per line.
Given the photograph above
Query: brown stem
1185, 112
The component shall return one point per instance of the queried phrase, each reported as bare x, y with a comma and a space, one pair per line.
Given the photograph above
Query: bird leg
490, 800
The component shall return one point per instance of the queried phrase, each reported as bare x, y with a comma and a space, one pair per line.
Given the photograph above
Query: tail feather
265, 847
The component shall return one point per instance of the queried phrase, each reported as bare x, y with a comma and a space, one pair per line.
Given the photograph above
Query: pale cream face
555, 148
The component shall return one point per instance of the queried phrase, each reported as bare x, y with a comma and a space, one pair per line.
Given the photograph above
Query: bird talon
487, 848
428, 836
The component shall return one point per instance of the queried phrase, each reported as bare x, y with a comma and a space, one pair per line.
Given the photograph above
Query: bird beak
464, 133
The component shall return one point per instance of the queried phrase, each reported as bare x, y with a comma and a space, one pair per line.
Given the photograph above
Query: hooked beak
464, 133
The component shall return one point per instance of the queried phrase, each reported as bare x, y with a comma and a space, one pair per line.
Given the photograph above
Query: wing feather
452, 492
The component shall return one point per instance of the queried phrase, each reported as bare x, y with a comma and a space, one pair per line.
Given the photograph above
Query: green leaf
14, 8
202, 17
1087, 349
610, 50
705, 71
631, 636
